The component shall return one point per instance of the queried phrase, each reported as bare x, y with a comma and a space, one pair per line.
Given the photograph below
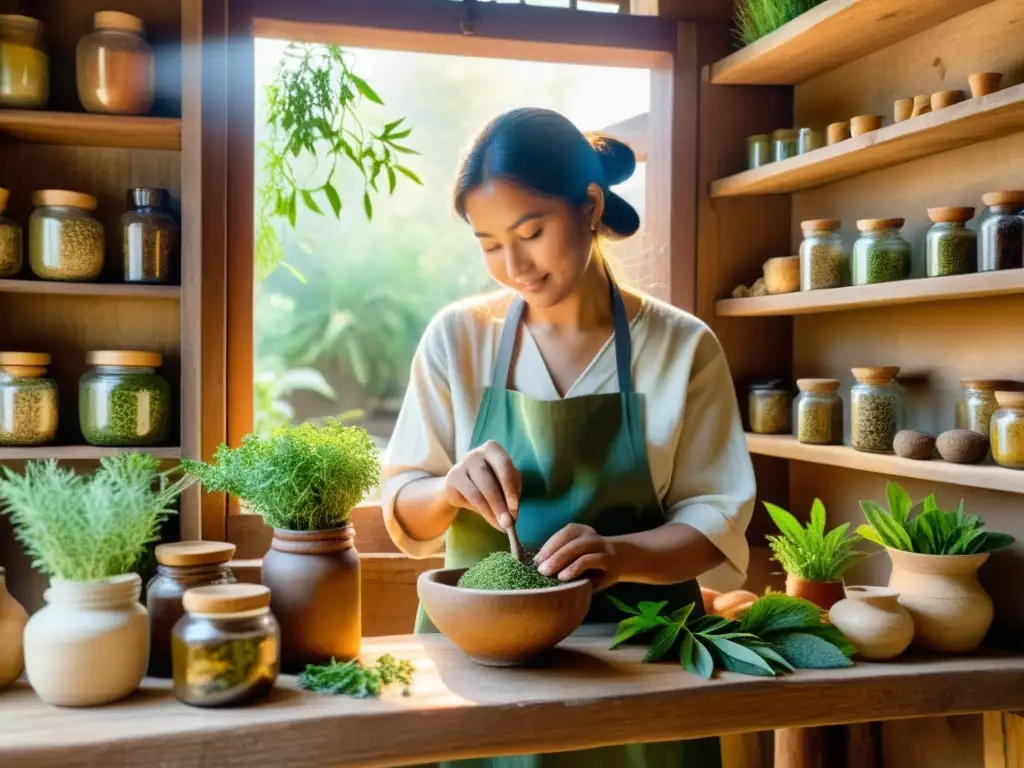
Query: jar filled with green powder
10, 240
952, 248
758, 150
819, 412
65, 241
28, 400
876, 409
123, 401
880, 254
822, 255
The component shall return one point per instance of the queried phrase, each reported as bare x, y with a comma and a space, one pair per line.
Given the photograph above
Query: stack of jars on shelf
782, 144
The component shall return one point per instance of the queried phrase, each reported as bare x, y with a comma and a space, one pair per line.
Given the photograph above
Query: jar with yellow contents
24, 65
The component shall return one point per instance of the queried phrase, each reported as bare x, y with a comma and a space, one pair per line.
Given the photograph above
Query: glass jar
65, 242
1001, 232
784, 144
822, 256
28, 399
24, 65
952, 248
10, 240
226, 650
758, 151
149, 237
808, 140
1007, 431
876, 409
181, 566
974, 411
114, 66
880, 254
123, 401
819, 412
768, 407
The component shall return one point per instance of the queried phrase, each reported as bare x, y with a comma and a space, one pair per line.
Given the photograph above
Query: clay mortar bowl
502, 628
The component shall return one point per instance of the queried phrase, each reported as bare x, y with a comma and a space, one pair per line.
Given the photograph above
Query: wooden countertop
582, 696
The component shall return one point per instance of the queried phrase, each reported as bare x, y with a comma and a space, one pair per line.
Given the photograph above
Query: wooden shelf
972, 475
105, 290
86, 130
81, 452
885, 294
968, 122
829, 35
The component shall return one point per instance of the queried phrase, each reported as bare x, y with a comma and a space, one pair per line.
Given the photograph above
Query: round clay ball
962, 446
911, 444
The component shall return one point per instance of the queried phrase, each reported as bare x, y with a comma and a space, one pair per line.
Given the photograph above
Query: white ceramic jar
12, 627
873, 620
90, 644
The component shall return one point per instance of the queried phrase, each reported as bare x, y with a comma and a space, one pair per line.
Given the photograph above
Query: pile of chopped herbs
776, 634
500, 571
352, 678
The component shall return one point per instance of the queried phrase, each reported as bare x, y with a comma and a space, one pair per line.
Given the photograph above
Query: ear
594, 207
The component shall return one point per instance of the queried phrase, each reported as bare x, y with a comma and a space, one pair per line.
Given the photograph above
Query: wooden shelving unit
104, 290
81, 452
86, 130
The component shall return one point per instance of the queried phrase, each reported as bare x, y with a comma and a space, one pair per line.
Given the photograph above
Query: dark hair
542, 151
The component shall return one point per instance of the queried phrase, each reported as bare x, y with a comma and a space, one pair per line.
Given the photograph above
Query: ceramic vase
313, 578
90, 644
12, 627
823, 594
873, 620
950, 609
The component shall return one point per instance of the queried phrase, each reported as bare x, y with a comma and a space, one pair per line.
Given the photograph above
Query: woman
601, 422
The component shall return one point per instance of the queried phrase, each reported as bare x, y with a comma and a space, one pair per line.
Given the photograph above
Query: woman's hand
488, 483
578, 548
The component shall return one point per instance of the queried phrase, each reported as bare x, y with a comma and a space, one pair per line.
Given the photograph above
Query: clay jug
313, 578
951, 611
874, 621
823, 594
12, 626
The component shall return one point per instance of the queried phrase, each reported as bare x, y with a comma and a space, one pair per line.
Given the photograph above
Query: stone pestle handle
513, 543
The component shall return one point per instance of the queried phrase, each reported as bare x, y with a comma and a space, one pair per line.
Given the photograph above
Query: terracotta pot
922, 105
782, 274
90, 644
943, 99
823, 594
874, 621
862, 124
951, 611
984, 83
838, 132
12, 625
902, 109
313, 578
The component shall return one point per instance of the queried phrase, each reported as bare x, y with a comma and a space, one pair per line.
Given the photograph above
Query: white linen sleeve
713, 485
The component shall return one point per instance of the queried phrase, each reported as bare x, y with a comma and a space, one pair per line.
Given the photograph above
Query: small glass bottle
768, 407
1001, 232
149, 237
181, 566
819, 412
114, 66
65, 241
880, 254
952, 248
784, 144
123, 401
975, 409
24, 65
822, 255
1007, 430
10, 240
28, 399
808, 140
226, 650
876, 409
758, 151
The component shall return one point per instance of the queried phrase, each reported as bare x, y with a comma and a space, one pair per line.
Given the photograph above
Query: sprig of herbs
808, 552
352, 678
757, 18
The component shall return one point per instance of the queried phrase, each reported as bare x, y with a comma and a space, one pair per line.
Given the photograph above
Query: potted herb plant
814, 561
90, 644
305, 480
936, 555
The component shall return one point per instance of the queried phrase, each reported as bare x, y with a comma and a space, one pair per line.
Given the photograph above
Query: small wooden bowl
838, 132
943, 99
902, 109
984, 83
862, 124
922, 105
782, 274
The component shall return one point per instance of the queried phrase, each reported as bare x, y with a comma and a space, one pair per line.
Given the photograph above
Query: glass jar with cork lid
975, 409
65, 241
880, 254
822, 255
28, 399
819, 412
951, 248
768, 407
10, 240
876, 409
1007, 430
149, 236
115, 66
122, 400
1001, 232
24, 65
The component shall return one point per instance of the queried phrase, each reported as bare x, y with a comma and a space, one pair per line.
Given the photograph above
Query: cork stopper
876, 225
951, 215
226, 598
882, 374
186, 553
34, 25
125, 358
818, 386
995, 199
25, 358
819, 225
1008, 399
64, 197
988, 384
118, 20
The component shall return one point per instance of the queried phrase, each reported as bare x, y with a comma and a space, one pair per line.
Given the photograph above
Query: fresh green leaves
757, 18
353, 679
806, 651
810, 553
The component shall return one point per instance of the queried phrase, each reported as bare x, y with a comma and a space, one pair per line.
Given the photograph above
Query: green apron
582, 460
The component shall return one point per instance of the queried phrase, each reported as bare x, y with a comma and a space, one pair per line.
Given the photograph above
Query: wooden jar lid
226, 598
881, 374
875, 225
127, 357
992, 384
820, 386
17, 18
1013, 197
951, 214
816, 225
118, 20
1010, 399
185, 553
64, 197
32, 359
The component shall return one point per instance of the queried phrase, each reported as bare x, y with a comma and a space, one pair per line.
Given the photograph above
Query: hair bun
617, 158
620, 219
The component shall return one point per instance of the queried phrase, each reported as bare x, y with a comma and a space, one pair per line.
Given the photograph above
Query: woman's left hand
576, 549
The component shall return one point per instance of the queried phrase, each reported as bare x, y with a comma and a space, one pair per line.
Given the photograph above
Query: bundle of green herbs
500, 571
352, 678
89, 527
302, 478
808, 552
756, 18
776, 634
925, 528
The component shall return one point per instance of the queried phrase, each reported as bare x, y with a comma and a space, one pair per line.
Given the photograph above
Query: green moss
501, 571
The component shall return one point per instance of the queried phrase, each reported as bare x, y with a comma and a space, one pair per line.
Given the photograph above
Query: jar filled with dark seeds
28, 399
123, 401
822, 255
876, 409
1001, 232
952, 248
768, 407
65, 241
880, 254
150, 237
10, 240
819, 412
975, 409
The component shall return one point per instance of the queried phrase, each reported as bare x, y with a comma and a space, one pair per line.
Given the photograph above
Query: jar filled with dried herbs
149, 237
819, 412
768, 407
880, 254
226, 650
975, 409
952, 248
28, 399
1001, 232
10, 240
876, 409
24, 65
65, 241
123, 401
784, 144
758, 150
822, 255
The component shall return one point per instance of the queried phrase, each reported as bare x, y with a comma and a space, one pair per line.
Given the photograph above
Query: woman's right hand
488, 483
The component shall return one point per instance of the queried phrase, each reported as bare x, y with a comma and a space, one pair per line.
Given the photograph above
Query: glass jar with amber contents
1007, 430
768, 407
974, 411
24, 65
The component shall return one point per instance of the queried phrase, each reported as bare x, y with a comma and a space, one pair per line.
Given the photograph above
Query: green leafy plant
353, 679
926, 529
756, 18
89, 527
776, 634
808, 552
302, 478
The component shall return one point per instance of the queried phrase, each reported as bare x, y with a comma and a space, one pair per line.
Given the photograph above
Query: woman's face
537, 246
